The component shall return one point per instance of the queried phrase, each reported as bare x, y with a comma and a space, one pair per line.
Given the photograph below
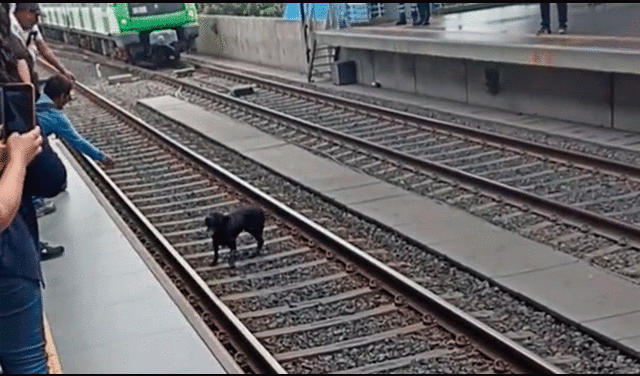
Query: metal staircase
320, 61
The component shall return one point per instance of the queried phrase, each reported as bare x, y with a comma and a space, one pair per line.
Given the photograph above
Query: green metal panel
128, 23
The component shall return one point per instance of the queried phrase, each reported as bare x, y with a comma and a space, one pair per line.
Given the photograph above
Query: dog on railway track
225, 228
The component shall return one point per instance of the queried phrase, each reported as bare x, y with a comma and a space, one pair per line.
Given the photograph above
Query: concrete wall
598, 98
267, 41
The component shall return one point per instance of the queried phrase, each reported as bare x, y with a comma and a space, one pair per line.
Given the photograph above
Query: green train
133, 32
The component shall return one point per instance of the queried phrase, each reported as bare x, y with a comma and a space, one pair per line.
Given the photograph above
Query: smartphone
18, 108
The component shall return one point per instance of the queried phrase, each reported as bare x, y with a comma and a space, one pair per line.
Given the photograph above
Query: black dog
225, 229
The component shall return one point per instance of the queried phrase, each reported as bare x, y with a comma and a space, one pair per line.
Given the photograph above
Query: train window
80, 19
152, 9
92, 19
106, 24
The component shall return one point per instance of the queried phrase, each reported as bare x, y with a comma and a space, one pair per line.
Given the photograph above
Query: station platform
493, 58
609, 29
107, 309
603, 304
508, 121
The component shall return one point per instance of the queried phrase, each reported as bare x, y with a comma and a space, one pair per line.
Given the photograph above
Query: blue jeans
22, 343
37, 202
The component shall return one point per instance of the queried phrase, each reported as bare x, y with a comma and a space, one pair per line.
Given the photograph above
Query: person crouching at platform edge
57, 94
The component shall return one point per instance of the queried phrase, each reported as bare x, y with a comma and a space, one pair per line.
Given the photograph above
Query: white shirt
23, 35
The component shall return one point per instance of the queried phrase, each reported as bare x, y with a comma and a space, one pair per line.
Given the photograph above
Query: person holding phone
28, 167
20, 295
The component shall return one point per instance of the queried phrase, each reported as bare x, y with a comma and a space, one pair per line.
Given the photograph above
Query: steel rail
586, 160
489, 340
606, 226
495, 343
260, 359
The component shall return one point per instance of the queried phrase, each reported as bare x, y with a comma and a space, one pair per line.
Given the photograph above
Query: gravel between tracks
503, 312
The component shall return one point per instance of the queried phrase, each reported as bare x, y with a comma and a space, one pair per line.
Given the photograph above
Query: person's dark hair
27, 6
57, 86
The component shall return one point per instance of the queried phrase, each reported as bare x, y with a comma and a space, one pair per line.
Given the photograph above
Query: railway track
501, 313
582, 204
311, 302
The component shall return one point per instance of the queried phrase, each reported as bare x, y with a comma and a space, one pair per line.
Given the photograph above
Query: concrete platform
608, 29
585, 76
625, 138
604, 304
108, 313
583, 19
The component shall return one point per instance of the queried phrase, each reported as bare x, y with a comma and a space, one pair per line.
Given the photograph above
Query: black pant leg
562, 15
544, 12
423, 11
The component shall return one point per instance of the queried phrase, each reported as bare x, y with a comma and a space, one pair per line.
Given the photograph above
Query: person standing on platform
424, 13
403, 16
28, 166
545, 10
24, 24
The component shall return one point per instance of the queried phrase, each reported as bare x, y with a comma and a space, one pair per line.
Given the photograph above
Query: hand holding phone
18, 108
24, 147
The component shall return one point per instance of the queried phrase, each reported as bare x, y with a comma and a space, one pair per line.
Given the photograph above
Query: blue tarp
318, 10
356, 12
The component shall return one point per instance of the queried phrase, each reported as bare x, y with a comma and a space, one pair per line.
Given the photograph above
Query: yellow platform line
53, 361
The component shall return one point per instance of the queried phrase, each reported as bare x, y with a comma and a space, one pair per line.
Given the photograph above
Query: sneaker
47, 252
543, 31
562, 30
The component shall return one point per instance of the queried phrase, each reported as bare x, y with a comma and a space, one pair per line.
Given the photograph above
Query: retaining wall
268, 41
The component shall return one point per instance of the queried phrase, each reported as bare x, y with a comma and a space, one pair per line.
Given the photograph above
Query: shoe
562, 30
402, 20
47, 252
426, 22
543, 30
46, 209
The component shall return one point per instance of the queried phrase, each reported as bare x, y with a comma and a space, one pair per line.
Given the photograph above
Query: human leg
422, 14
402, 17
415, 15
22, 343
562, 17
426, 13
546, 23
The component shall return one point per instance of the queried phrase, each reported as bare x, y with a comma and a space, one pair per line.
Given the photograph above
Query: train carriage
133, 32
